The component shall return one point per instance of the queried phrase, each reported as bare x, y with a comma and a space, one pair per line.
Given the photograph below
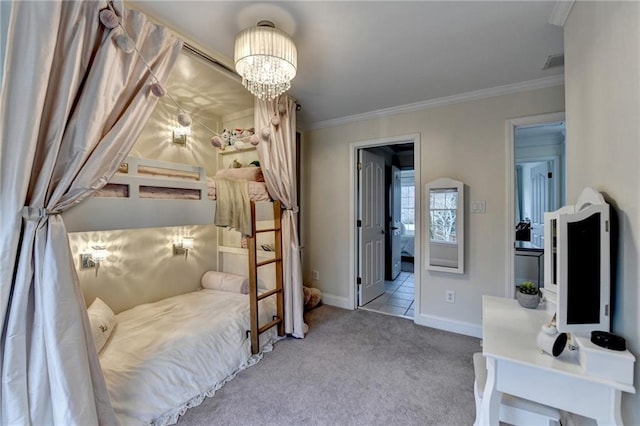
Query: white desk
516, 366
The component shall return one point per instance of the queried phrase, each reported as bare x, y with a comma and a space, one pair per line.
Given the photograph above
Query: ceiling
358, 57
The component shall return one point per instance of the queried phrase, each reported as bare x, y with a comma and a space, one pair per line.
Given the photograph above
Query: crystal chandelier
266, 58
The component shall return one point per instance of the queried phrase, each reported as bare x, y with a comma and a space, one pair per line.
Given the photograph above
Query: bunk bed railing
278, 291
105, 213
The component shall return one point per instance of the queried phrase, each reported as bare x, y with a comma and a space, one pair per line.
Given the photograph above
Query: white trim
447, 324
560, 12
353, 153
510, 125
541, 83
337, 301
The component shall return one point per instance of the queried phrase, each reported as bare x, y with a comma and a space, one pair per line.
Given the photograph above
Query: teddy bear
312, 297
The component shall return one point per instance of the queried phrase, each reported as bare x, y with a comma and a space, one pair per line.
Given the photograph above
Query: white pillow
102, 320
215, 280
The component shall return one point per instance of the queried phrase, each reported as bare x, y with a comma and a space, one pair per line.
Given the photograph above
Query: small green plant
528, 287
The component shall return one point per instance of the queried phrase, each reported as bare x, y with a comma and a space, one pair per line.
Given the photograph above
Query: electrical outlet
315, 275
450, 297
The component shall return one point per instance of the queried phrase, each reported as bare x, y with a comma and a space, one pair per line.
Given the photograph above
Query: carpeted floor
353, 368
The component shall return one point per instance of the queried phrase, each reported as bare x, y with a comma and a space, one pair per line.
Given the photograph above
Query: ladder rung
269, 293
267, 230
269, 325
266, 262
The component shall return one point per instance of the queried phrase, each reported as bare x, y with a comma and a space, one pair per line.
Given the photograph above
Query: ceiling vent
554, 61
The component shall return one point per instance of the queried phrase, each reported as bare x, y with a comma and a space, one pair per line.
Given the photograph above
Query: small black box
608, 340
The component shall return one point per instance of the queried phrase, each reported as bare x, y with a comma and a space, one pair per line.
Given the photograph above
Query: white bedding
407, 243
166, 356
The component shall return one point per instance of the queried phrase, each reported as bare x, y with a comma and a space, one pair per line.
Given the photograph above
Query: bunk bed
149, 193
153, 194
167, 356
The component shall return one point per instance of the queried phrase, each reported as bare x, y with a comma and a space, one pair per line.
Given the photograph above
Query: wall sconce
183, 246
92, 260
180, 134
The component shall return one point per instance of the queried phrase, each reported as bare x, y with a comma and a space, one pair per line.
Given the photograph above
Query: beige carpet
353, 368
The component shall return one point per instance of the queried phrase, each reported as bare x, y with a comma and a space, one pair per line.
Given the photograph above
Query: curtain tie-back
294, 209
34, 214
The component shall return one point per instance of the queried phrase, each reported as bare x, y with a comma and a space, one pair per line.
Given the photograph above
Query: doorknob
382, 231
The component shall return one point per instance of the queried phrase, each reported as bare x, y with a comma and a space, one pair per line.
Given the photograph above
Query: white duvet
167, 356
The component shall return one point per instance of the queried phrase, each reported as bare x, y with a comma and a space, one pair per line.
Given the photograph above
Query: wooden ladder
278, 319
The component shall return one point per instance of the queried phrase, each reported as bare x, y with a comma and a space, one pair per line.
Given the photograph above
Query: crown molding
541, 83
560, 12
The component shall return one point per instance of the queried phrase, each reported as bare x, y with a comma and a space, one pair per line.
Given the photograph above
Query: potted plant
528, 295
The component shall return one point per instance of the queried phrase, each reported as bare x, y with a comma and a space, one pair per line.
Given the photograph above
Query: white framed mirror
445, 230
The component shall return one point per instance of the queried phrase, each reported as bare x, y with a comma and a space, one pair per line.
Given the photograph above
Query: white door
540, 201
371, 230
395, 228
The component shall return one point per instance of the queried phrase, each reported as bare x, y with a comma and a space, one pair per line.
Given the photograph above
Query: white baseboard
446, 324
337, 301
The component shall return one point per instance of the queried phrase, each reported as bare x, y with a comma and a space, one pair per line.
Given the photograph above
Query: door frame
510, 235
353, 188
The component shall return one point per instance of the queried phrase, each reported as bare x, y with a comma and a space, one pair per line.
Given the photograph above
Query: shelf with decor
232, 150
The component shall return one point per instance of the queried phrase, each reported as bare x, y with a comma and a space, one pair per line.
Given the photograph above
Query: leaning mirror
445, 248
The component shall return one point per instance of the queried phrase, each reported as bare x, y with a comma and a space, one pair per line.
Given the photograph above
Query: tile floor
397, 299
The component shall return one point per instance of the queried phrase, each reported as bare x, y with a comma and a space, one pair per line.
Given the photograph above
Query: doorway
537, 169
398, 230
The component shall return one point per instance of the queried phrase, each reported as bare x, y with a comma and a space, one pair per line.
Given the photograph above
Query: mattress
166, 356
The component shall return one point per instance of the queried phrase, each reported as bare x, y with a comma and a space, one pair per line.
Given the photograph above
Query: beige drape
277, 158
72, 107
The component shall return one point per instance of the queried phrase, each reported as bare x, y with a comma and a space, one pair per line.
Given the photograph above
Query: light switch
478, 206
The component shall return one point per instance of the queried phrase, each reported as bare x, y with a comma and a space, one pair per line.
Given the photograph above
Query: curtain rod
211, 60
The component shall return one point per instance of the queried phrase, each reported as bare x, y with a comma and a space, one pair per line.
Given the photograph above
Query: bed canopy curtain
73, 104
277, 159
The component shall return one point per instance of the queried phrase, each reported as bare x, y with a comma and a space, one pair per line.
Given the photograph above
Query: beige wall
141, 266
602, 66
156, 138
464, 141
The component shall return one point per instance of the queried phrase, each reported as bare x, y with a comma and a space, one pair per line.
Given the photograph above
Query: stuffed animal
226, 137
312, 297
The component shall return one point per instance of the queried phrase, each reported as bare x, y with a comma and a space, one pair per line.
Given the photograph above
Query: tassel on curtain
276, 120
73, 103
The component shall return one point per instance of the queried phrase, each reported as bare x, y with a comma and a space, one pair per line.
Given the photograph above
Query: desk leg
491, 397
